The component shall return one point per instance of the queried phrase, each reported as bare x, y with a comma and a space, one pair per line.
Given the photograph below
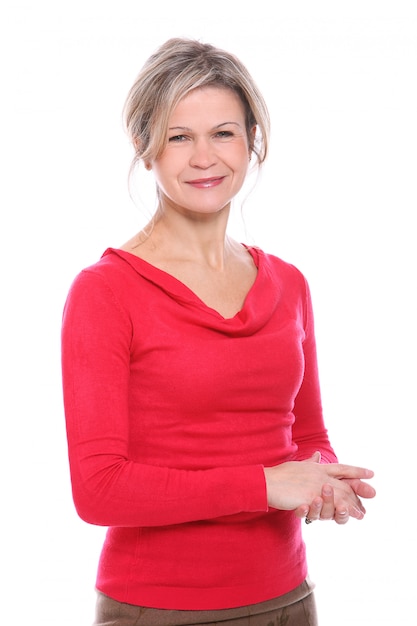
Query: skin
332, 490
200, 171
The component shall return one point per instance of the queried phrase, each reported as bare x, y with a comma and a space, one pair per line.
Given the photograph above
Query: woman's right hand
330, 490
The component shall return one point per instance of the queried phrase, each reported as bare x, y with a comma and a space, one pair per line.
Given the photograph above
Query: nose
203, 155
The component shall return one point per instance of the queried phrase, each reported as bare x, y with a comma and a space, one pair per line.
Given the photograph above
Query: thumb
315, 458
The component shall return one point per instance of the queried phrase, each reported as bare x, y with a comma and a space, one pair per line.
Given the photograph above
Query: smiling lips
206, 183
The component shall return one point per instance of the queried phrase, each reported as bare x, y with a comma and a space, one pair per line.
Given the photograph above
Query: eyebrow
214, 127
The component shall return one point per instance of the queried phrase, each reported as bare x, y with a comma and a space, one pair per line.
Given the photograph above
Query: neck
199, 238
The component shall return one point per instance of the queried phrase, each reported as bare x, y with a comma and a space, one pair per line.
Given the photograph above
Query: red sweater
172, 412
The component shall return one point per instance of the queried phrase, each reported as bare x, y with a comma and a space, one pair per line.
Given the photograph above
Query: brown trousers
296, 608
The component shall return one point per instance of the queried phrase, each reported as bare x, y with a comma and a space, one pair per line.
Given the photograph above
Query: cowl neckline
258, 307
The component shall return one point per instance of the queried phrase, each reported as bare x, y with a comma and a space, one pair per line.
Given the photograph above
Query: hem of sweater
205, 599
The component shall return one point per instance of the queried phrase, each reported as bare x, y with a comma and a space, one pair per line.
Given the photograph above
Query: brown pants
296, 608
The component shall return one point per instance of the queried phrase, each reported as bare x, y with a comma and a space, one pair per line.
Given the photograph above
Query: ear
252, 135
147, 165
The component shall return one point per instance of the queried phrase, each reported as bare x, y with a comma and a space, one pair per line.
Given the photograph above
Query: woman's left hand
323, 507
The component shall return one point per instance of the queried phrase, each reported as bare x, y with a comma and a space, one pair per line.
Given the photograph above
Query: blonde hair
177, 67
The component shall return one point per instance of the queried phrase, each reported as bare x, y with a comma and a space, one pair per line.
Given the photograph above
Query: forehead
205, 102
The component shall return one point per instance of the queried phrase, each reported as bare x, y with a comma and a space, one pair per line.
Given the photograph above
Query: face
206, 158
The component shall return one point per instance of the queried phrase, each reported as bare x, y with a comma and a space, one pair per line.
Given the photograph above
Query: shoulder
278, 267
107, 282
111, 270
286, 281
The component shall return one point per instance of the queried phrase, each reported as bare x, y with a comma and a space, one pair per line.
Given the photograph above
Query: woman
191, 391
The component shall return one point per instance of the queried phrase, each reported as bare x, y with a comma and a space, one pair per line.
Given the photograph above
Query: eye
177, 138
224, 134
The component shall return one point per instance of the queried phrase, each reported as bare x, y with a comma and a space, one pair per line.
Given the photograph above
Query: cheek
240, 157
162, 172
241, 165
169, 164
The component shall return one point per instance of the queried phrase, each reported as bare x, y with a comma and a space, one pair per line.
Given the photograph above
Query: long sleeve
309, 431
110, 488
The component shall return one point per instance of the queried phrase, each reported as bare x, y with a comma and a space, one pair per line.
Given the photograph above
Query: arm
331, 489
309, 430
109, 488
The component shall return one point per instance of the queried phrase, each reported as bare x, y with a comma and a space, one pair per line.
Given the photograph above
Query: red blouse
172, 412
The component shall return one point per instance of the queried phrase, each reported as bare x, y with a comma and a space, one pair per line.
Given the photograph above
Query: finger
341, 516
328, 508
314, 511
345, 498
340, 470
362, 489
302, 511
350, 501
356, 512
315, 458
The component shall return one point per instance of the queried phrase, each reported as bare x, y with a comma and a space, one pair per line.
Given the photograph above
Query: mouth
206, 183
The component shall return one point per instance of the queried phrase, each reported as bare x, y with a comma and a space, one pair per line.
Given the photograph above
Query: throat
225, 290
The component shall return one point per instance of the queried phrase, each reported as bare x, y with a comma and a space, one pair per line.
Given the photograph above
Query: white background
337, 198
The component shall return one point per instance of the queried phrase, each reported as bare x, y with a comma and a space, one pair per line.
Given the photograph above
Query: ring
308, 520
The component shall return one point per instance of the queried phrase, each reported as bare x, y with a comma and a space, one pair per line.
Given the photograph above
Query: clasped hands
319, 491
